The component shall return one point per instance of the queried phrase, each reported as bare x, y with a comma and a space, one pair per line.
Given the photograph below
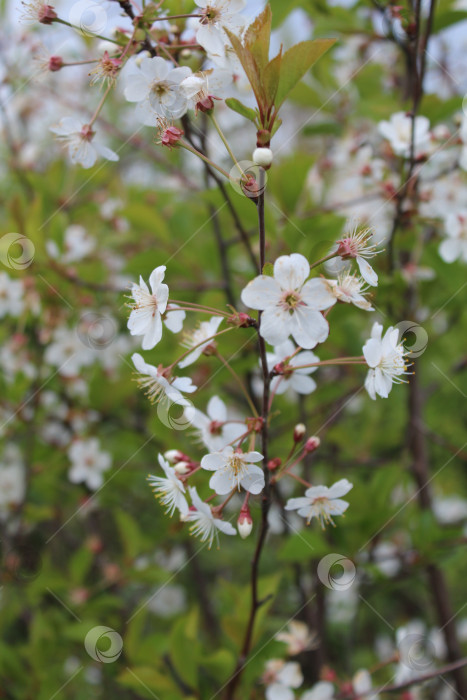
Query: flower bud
263, 156
182, 468
299, 432
274, 464
312, 444
55, 63
244, 522
174, 456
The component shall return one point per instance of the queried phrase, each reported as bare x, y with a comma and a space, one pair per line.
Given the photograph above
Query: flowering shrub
218, 245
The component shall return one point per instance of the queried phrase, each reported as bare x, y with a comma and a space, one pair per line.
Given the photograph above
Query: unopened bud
185, 53
263, 157
312, 444
274, 464
174, 456
182, 468
55, 63
299, 432
244, 522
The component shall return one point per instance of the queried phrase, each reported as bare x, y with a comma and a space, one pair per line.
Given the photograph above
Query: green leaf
237, 106
184, 648
296, 62
248, 61
143, 680
268, 269
271, 78
257, 38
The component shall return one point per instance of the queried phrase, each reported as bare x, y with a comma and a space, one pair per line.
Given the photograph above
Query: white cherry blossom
12, 480
145, 318
356, 243
217, 15
290, 304
11, 295
154, 84
350, 289
454, 246
68, 353
205, 524
281, 677
169, 490
158, 387
398, 131
214, 429
233, 470
88, 462
321, 502
202, 338
292, 379
324, 690
298, 637
78, 138
209, 83
386, 358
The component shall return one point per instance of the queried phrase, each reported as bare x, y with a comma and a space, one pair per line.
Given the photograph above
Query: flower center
210, 15
236, 464
290, 300
215, 427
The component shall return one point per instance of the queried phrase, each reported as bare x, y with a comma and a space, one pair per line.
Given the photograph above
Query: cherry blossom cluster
293, 309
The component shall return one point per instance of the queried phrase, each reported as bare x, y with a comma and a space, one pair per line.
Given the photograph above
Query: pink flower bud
312, 444
244, 522
274, 464
299, 432
55, 63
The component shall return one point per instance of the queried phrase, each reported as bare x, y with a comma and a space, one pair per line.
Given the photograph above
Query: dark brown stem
266, 494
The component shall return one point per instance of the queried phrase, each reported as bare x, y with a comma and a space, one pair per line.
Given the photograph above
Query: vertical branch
266, 495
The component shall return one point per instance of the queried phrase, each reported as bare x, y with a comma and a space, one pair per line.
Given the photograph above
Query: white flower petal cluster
148, 307
214, 429
217, 15
79, 140
11, 296
233, 470
356, 243
291, 305
200, 339
386, 358
169, 490
282, 677
154, 84
350, 289
12, 480
324, 690
158, 386
321, 502
68, 353
398, 131
296, 380
204, 524
298, 637
199, 86
78, 244
88, 462
454, 246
